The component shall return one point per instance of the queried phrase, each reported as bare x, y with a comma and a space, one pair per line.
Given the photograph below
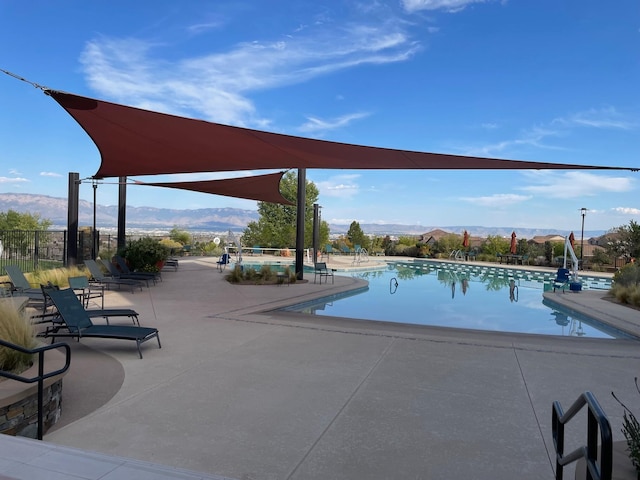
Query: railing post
40, 393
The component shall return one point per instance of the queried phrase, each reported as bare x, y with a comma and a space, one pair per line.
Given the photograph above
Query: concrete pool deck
244, 392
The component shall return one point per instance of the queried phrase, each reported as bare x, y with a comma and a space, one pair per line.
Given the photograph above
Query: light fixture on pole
583, 212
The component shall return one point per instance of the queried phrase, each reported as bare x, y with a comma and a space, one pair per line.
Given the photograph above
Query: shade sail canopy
133, 141
264, 188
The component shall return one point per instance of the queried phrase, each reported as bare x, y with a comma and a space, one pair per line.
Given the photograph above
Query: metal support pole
302, 187
122, 213
583, 211
72, 219
316, 231
94, 238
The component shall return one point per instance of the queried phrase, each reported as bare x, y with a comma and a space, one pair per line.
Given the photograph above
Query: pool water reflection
462, 296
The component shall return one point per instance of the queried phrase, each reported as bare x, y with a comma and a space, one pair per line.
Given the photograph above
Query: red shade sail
263, 188
132, 141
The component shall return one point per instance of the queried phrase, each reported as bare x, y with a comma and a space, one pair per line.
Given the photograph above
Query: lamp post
583, 212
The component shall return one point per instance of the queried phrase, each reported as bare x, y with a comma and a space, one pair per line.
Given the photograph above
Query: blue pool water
462, 296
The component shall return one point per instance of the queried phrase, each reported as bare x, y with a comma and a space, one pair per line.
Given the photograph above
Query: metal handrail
596, 422
41, 377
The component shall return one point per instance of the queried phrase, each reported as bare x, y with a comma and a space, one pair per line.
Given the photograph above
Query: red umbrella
465, 239
572, 240
514, 243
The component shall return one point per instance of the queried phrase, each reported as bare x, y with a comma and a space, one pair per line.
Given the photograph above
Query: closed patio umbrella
514, 244
465, 239
572, 241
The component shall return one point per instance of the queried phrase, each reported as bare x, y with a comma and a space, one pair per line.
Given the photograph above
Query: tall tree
276, 227
12, 220
356, 236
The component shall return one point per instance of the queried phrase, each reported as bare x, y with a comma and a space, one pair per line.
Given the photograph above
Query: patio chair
321, 270
78, 324
21, 286
99, 277
85, 290
224, 260
115, 273
124, 268
105, 313
562, 279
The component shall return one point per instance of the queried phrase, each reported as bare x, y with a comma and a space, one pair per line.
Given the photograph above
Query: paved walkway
241, 391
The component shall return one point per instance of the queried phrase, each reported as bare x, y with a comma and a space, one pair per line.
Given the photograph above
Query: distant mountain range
221, 219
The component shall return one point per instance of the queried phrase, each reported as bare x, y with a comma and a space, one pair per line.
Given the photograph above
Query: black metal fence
33, 249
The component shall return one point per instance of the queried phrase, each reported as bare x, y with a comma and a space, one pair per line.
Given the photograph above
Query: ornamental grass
15, 328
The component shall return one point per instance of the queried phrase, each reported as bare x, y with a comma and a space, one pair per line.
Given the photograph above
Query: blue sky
544, 80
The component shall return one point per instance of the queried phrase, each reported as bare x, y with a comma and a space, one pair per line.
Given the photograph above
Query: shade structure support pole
72, 219
122, 212
316, 231
302, 188
94, 235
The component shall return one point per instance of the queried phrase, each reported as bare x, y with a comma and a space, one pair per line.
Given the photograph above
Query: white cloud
574, 184
49, 174
627, 210
314, 124
540, 136
452, 6
605, 118
13, 171
215, 86
340, 186
497, 200
13, 180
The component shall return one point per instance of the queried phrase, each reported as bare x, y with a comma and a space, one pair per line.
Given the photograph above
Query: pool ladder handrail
596, 422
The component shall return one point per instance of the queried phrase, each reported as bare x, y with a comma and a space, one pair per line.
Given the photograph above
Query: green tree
21, 226
356, 236
625, 241
495, 244
181, 236
12, 220
276, 227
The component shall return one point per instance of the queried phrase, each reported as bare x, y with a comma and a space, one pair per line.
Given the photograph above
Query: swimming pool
462, 296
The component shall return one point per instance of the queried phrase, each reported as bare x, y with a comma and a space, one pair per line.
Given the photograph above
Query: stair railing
597, 422
41, 377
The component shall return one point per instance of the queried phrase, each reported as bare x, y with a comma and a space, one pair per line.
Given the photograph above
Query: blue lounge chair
21, 286
78, 324
224, 260
99, 277
115, 273
125, 270
562, 279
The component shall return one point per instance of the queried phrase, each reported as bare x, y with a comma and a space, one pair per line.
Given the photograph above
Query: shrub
627, 275
235, 275
266, 273
15, 328
145, 254
631, 431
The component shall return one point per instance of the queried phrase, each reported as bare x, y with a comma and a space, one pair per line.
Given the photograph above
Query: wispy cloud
452, 6
13, 180
217, 86
574, 184
340, 186
497, 200
49, 174
313, 124
604, 118
541, 136
627, 210
14, 171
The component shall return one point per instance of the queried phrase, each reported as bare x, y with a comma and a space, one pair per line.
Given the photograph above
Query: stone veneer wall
21, 417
